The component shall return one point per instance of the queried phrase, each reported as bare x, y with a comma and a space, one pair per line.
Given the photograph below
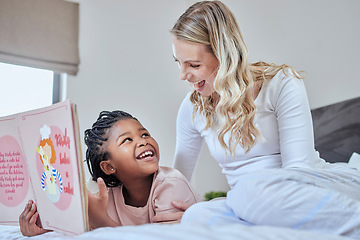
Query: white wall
127, 63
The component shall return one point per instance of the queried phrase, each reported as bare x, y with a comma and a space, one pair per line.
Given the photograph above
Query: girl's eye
145, 135
126, 140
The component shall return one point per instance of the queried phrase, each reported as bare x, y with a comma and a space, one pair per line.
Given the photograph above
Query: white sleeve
295, 124
188, 140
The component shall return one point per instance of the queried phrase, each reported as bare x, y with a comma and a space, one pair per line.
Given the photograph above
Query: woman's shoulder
284, 84
284, 80
186, 102
186, 109
285, 75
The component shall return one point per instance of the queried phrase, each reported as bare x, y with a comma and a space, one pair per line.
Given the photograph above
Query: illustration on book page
54, 166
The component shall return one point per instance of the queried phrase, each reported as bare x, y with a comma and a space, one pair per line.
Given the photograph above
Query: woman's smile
199, 86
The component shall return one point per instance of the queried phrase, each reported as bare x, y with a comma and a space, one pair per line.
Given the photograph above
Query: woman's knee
201, 212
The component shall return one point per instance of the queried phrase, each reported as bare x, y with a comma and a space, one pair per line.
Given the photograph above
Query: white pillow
354, 161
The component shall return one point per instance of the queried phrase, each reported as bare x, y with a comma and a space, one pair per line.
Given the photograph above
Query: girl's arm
98, 203
29, 221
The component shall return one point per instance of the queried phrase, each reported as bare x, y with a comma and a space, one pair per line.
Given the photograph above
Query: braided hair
94, 139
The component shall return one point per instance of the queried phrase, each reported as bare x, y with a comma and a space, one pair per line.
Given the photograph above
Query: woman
256, 121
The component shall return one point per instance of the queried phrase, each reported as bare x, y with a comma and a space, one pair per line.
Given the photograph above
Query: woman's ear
107, 167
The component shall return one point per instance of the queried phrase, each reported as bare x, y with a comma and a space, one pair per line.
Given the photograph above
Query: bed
179, 231
337, 137
337, 130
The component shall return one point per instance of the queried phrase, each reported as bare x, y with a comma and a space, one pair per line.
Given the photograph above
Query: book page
83, 186
48, 140
15, 187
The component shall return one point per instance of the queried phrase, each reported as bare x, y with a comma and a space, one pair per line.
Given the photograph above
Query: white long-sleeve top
284, 120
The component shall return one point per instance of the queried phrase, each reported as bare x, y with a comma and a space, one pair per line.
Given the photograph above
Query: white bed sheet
179, 231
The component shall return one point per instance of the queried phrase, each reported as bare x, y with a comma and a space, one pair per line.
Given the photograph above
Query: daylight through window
24, 88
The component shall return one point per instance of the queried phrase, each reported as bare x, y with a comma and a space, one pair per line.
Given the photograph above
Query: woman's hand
172, 217
98, 203
29, 221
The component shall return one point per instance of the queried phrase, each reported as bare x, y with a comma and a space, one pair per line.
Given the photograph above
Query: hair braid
94, 139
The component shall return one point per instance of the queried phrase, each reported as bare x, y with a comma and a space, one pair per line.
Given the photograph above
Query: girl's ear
107, 167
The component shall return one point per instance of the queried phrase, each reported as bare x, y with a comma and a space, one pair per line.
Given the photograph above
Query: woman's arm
295, 123
172, 217
188, 140
187, 151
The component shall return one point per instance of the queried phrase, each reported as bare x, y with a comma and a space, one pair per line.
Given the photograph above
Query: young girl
123, 157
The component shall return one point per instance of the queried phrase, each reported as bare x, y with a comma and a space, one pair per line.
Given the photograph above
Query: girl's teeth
145, 154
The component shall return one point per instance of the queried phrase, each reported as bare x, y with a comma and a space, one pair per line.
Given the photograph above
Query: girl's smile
146, 155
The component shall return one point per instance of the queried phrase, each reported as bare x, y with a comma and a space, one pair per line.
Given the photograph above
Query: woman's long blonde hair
211, 23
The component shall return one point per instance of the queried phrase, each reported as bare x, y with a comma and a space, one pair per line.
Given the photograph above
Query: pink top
168, 185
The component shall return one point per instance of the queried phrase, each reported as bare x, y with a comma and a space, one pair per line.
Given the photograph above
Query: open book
40, 159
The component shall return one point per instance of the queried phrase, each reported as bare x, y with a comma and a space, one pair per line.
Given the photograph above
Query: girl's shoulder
170, 185
168, 173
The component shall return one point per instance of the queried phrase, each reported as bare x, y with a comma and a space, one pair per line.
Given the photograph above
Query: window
25, 88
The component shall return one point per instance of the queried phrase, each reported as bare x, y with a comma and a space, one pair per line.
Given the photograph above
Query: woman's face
198, 65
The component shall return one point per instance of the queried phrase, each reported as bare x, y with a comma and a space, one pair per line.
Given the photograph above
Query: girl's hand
29, 221
98, 203
172, 217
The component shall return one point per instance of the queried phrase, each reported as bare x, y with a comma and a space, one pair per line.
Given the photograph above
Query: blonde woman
256, 121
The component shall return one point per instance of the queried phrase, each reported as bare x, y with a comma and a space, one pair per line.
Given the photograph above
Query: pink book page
15, 187
47, 137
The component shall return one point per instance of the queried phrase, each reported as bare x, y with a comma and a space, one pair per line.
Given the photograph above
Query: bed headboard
337, 130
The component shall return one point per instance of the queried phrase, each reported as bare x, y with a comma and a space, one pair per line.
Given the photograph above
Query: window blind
40, 33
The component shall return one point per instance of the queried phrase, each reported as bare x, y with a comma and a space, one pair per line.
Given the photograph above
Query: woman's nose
183, 74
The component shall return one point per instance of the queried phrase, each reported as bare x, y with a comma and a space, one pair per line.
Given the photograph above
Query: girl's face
133, 152
198, 65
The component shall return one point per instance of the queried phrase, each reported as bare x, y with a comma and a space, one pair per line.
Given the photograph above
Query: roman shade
40, 33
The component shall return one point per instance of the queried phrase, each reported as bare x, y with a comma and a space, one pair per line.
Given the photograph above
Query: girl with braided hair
123, 158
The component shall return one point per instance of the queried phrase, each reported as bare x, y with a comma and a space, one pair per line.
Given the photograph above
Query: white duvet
179, 231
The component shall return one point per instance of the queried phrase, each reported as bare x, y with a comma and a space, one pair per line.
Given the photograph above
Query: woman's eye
194, 65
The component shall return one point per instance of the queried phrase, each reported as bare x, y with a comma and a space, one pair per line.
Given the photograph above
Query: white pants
211, 213
323, 200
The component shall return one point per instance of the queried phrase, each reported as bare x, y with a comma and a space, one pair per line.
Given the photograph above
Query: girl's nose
142, 143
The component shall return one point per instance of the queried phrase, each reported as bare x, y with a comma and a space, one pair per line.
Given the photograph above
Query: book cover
40, 159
